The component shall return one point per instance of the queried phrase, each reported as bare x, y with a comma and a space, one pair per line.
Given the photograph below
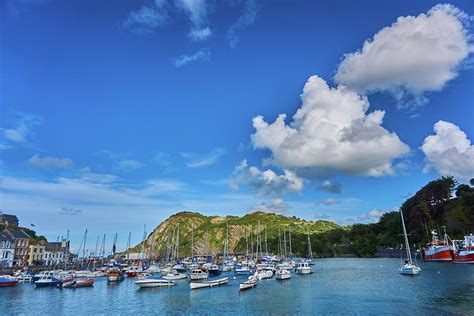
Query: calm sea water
338, 286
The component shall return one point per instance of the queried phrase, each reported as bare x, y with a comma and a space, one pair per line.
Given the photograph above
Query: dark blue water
338, 286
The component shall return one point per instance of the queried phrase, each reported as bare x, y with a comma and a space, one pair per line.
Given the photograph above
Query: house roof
4, 236
17, 233
53, 246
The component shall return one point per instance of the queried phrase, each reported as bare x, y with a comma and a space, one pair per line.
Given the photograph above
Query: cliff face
209, 233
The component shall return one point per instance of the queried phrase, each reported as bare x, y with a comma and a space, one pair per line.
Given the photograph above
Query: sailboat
408, 268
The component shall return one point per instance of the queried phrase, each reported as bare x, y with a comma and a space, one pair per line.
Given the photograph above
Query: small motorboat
154, 282
211, 283
283, 274
153, 269
242, 270
180, 268
198, 274
174, 275
7, 280
23, 277
303, 268
133, 271
214, 270
74, 284
115, 275
48, 281
250, 283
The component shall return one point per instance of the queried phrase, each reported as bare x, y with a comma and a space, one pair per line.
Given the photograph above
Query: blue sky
119, 114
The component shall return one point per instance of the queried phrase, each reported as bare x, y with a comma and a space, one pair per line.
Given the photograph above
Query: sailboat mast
128, 245
177, 245
289, 231
192, 241
266, 243
284, 241
279, 242
310, 252
407, 245
246, 242
84, 249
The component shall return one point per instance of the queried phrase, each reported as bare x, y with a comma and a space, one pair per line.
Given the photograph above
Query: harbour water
338, 286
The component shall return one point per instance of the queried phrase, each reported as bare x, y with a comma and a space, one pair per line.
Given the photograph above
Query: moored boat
198, 274
115, 275
214, 270
437, 250
465, 252
174, 275
48, 281
250, 283
303, 268
408, 268
154, 282
74, 284
7, 280
283, 274
210, 283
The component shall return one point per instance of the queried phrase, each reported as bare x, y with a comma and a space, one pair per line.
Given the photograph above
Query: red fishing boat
438, 250
463, 251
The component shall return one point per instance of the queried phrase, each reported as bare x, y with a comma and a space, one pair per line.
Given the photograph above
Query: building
21, 242
10, 220
7, 249
55, 252
36, 254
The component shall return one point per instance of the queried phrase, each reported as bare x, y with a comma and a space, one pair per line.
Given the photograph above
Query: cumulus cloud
330, 187
275, 205
198, 161
149, 17
200, 55
449, 151
332, 131
412, 56
247, 18
50, 162
265, 182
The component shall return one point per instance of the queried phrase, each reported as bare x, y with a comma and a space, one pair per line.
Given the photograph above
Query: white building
7, 249
54, 253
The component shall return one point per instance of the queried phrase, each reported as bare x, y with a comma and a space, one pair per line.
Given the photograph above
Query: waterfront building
36, 254
21, 244
7, 249
55, 252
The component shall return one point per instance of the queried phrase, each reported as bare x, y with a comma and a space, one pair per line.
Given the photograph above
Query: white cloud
372, 216
197, 11
328, 202
88, 175
50, 162
412, 56
275, 205
331, 187
449, 151
199, 161
23, 129
129, 164
148, 18
265, 182
247, 18
331, 131
200, 55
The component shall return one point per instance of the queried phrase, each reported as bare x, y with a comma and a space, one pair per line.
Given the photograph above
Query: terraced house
21, 243
7, 249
